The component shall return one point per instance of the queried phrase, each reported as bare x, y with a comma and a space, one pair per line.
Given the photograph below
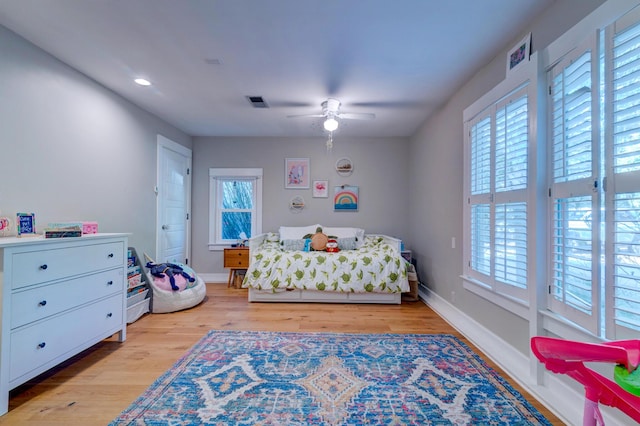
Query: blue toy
170, 269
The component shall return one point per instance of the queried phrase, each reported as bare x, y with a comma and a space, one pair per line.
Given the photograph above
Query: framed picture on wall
320, 189
345, 198
519, 54
296, 173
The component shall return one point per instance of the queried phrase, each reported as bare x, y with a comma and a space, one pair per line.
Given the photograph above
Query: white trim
604, 15
505, 301
215, 278
231, 172
553, 392
522, 82
164, 142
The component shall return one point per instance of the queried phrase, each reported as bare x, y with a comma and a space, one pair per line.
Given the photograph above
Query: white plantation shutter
623, 194
511, 182
498, 152
574, 215
512, 143
481, 157
511, 244
481, 238
480, 141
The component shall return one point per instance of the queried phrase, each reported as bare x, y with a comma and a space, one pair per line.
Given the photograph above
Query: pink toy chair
567, 357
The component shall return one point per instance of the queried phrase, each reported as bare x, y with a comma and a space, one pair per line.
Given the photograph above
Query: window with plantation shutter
498, 146
594, 119
573, 256
623, 169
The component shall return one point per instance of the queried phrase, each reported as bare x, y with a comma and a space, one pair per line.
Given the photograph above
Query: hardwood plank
96, 385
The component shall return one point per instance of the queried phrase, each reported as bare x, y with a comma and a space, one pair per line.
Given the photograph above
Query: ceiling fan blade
356, 116
290, 104
306, 115
390, 104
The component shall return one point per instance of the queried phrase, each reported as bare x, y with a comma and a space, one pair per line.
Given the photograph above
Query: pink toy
567, 357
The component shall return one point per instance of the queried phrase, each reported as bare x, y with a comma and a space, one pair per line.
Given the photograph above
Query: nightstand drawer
236, 258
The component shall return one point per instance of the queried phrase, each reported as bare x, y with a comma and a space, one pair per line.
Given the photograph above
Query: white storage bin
136, 311
133, 299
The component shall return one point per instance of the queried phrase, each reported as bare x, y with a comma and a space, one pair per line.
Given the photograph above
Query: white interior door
174, 202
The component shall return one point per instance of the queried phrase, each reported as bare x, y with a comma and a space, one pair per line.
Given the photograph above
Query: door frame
163, 143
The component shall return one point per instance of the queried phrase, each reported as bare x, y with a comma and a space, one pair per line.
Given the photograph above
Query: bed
367, 269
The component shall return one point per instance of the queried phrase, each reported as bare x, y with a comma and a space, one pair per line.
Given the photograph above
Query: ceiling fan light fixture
330, 124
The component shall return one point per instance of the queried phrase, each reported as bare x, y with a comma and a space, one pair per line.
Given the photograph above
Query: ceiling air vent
257, 102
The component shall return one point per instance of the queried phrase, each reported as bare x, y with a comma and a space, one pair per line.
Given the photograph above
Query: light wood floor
95, 386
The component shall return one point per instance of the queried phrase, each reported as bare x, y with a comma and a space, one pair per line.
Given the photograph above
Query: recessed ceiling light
142, 82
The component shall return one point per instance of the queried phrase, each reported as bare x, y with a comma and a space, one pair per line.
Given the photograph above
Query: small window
235, 210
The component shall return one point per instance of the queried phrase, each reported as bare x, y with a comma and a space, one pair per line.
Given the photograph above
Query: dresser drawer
34, 347
39, 302
39, 266
236, 258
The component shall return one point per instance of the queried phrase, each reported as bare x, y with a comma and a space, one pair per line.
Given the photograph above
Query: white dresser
59, 297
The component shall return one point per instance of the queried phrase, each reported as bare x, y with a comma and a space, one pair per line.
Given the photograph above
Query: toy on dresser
5, 226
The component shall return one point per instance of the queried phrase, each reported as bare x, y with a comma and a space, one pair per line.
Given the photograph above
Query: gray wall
436, 181
380, 172
72, 150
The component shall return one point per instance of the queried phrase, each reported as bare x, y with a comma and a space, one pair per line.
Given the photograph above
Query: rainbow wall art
345, 198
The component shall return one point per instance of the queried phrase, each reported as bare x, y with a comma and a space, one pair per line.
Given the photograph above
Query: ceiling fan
331, 113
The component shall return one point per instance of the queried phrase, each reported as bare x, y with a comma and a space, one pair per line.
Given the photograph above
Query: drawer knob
109, 282
44, 302
109, 315
110, 255
43, 267
42, 345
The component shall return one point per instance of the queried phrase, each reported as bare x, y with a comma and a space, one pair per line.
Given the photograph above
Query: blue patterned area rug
272, 378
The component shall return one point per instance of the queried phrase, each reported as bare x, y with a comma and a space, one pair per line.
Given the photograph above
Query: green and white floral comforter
376, 267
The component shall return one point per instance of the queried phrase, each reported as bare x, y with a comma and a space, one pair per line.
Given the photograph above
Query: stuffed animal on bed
318, 240
170, 269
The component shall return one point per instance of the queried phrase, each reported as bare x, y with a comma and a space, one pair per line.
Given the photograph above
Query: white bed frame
312, 296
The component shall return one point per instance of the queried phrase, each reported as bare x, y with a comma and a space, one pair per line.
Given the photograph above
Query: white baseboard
555, 394
215, 278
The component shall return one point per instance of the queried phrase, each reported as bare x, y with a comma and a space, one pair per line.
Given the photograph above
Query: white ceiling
398, 59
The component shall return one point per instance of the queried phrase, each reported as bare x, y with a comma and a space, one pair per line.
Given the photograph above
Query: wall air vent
257, 102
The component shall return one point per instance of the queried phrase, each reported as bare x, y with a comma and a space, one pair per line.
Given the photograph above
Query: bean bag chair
191, 289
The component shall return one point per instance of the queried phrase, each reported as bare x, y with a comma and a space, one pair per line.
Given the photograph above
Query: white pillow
346, 232
296, 232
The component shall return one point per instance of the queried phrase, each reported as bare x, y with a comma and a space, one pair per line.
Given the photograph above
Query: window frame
515, 300
216, 243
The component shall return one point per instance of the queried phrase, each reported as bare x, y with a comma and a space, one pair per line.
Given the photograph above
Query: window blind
573, 256
511, 244
481, 157
625, 105
511, 145
571, 122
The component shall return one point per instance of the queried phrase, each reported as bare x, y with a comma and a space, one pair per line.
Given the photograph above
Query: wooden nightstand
235, 258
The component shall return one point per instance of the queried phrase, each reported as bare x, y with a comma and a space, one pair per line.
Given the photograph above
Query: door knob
165, 227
